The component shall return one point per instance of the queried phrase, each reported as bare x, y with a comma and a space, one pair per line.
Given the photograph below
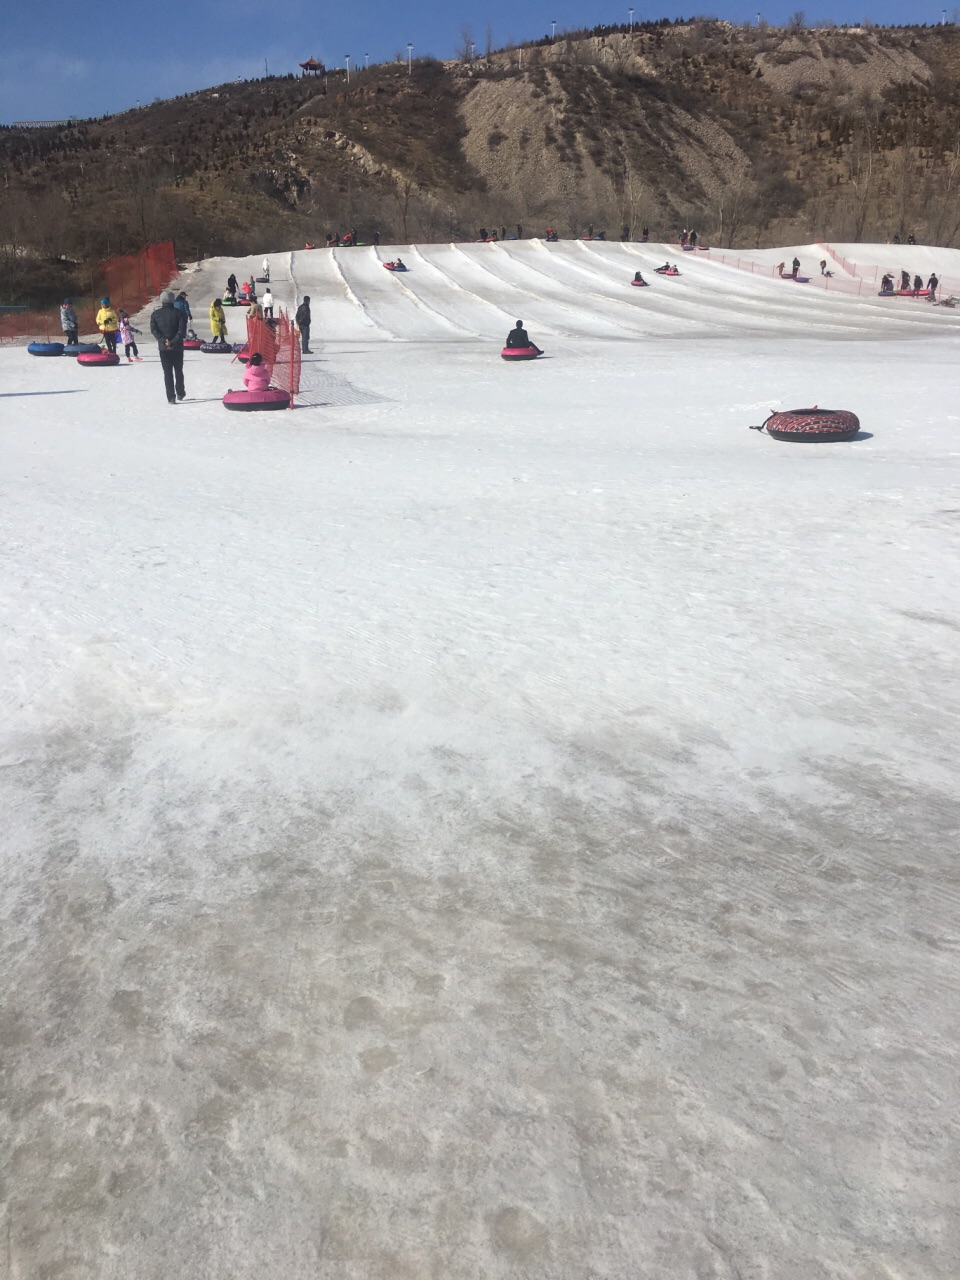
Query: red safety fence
872, 274
262, 337
286, 361
129, 281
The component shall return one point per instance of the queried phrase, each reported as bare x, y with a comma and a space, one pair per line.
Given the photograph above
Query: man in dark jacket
303, 324
519, 337
169, 327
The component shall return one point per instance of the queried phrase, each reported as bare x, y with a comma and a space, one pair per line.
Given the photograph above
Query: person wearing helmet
108, 322
69, 322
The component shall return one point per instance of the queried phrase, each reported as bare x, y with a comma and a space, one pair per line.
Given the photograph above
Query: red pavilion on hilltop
313, 68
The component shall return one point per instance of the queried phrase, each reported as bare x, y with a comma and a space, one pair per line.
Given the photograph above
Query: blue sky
91, 60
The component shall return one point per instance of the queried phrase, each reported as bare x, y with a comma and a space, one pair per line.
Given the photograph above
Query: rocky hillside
752, 136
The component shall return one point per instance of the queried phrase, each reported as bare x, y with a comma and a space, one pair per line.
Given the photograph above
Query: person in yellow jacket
218, 321
108, 322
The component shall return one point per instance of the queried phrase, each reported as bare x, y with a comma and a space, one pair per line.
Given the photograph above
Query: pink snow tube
192, 344
520, 353
98, 357
249, 401
639, 284
812, 424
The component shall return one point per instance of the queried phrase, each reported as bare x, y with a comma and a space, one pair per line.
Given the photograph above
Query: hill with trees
752, 136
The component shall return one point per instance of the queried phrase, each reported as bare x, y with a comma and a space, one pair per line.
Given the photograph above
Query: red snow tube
641, 284
249, 401
192, 344
390, 266
812, 424
520, 353
98, 357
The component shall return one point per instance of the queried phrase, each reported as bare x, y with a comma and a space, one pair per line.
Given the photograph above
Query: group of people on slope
908, 286
687, 238
911, 239
794, 270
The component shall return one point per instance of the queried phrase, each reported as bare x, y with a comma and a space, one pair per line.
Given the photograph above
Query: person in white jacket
267, 303
265, 270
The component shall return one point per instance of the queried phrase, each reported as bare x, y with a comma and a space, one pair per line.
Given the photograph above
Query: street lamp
366, 60
346, 58
630, 11
553, 28
409, 56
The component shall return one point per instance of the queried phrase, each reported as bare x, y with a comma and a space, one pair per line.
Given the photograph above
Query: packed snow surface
491, 821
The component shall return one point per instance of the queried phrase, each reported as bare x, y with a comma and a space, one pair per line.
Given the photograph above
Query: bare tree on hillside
466, 43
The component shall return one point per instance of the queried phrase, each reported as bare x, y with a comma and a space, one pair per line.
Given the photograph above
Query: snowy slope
493, 820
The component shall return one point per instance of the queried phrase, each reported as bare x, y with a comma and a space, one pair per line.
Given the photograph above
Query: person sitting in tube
886, 284
518, 337
256, 375
638, 278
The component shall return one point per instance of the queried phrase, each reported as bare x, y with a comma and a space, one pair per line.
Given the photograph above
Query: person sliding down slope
518, 337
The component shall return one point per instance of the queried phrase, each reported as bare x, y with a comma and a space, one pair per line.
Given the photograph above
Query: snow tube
217, 348
192, 344
660, 272
98, 357
390, 267
641, 284
46, 348
913, 293
80, 348
812, 424
250, 401
263, 279
309, 246
886, 293
520, 353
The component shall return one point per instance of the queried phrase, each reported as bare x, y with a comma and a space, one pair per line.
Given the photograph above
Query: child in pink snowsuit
128, 338
256, 375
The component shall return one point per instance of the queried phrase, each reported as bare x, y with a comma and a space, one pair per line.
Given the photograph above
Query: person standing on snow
169, 327
183, 305
303, 324
128, 336
218, 321
69, 322
904, 281
795, 268
265, 270
267, 303
933, 284
108, 322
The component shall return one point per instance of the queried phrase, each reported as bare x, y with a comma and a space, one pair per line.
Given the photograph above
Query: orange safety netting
286, 360
130, 281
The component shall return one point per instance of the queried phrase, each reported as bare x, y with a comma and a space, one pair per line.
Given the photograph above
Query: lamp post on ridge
630, 11
346, 58
409, 56
366, 61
